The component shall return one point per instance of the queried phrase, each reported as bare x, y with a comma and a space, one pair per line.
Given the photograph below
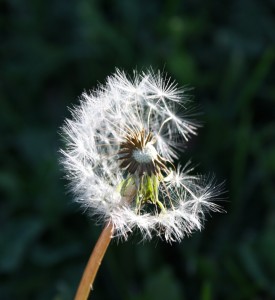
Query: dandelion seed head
121, 146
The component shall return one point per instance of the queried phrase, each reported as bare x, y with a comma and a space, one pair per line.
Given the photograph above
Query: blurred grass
50, 52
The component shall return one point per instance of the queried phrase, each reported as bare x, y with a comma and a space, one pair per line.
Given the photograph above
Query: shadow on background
50, 52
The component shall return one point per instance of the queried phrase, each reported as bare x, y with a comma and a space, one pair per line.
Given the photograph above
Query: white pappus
121, 147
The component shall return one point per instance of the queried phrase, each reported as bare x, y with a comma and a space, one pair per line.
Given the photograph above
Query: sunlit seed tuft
121, 147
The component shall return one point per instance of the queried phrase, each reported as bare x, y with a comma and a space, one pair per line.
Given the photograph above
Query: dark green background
50, 52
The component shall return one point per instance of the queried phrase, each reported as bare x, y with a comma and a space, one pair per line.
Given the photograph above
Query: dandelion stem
88, 277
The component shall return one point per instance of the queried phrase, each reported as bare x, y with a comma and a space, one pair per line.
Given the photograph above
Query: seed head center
138, 155
146, 154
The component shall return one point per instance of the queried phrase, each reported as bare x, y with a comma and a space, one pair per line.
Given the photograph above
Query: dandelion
122, 144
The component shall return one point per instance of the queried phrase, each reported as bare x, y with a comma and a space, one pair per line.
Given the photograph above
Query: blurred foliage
50, 52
